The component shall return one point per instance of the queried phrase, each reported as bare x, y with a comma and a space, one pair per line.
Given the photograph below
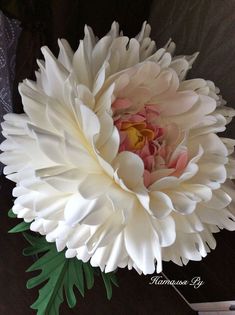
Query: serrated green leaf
21, 227
53, 262
51, 294
38, 245
59, 276
48, 258
75, 272
36, 240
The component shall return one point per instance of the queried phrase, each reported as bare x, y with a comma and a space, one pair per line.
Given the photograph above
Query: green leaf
21, 227
38, 245
59, 276
108, 279
75, 272
11, 214
89, 273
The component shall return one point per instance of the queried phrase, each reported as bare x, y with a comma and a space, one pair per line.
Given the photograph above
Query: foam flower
117, 157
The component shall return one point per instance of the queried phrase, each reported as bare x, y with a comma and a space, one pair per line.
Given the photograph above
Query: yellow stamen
136, 139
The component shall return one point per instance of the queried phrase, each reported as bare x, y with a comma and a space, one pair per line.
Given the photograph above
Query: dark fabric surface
9, 32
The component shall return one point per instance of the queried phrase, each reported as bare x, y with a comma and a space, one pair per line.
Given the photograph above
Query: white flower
116, 157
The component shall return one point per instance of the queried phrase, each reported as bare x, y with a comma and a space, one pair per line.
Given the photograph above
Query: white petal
65, 54
56, 75
222, 218
182, 203
100, 53
143, 247
165, 229
90, 122
130, 168
94, 185
179, 103
116, 254
106, 232
160, 204
219, 200
109, 149
81, 66
77, 208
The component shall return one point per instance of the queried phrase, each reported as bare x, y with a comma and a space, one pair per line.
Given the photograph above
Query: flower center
159, 148
136, 135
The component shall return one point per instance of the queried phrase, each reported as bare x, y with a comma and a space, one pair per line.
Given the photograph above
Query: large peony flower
116, 157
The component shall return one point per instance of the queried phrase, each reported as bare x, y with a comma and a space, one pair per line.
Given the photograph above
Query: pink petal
121, 103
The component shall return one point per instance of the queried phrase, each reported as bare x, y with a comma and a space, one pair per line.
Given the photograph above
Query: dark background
207, 26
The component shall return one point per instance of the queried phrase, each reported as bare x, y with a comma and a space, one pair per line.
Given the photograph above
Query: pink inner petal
121, 103
158, 147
